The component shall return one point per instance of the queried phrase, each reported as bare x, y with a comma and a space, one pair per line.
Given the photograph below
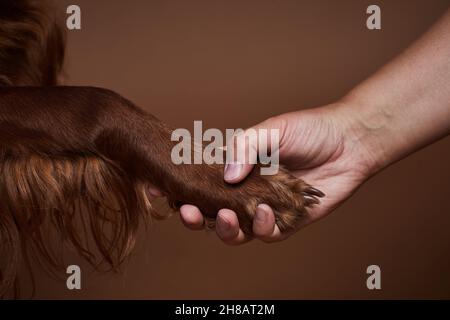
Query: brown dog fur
80, 159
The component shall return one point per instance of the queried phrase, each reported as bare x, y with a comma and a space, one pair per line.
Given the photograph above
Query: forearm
406, 104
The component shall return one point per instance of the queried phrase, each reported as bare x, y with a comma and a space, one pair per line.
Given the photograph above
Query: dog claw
315, 192
309, 200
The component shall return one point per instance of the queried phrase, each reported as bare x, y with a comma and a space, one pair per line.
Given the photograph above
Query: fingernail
223, 225
232, 171
261, 214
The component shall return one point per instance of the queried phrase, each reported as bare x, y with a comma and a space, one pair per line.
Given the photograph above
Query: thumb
242, 150
236, 172
241, 156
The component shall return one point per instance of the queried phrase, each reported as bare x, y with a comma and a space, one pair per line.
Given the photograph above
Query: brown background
235, 63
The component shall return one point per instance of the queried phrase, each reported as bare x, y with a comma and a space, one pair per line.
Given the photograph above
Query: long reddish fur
79, 160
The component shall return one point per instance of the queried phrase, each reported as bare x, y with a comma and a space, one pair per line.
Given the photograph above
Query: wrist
365, 130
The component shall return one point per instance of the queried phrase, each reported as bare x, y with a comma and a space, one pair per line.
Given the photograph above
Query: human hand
322, 146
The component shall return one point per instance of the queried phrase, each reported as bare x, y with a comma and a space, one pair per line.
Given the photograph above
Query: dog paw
287, 195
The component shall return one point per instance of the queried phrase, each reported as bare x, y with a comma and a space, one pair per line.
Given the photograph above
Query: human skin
336, 148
